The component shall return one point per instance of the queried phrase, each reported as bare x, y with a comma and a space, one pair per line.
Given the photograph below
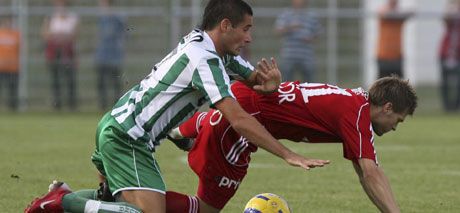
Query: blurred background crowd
82, 55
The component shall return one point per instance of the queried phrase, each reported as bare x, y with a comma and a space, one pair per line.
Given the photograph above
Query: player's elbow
244, 124
239, 124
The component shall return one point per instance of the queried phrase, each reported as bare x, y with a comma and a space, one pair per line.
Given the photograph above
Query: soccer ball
267, 203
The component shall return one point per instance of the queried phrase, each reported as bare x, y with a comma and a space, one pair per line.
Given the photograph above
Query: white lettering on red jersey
316, 113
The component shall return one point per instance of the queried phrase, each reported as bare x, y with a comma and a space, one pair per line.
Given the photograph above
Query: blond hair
396, 91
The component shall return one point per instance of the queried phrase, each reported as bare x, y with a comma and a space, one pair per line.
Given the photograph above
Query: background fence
344, 51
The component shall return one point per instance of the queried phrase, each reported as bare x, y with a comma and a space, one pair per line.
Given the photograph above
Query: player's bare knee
147, 201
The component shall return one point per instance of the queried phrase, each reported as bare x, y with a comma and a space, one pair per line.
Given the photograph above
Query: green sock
72, 202
87, 193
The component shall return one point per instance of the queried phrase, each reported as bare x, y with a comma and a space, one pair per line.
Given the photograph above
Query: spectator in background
389, 50
9, 59
109, 54
59, 32
298, 29
450, 58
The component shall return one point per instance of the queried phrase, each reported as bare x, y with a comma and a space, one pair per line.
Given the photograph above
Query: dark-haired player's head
229, 24
218, 10
392, 99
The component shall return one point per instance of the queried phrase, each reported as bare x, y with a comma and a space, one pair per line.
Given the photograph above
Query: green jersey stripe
164, 94
218, 77
176, 87
180, 116
171, 76
122, 112
149, 124
238, 66
198, 83
125, 97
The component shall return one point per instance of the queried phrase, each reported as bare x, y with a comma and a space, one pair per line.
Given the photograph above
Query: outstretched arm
376, 185
251, 129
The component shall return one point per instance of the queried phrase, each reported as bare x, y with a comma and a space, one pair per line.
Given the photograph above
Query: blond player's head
392, 99
396, 91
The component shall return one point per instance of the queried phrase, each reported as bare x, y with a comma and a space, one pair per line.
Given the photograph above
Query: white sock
176, 134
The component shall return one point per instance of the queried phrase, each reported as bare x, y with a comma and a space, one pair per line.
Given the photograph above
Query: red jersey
298, 112
312, 112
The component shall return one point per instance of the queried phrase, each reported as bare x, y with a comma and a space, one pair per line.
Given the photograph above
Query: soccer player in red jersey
301, 112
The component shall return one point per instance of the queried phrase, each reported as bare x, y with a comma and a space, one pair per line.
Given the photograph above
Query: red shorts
220, 156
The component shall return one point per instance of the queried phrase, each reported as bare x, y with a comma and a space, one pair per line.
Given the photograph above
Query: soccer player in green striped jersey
198, 70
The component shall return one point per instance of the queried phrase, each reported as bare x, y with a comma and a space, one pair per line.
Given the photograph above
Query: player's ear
387, 107
225, 24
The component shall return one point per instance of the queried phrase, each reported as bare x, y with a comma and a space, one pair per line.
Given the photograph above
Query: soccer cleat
52, 201
183, 144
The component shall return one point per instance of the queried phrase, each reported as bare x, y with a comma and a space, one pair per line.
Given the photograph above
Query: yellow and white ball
267, 203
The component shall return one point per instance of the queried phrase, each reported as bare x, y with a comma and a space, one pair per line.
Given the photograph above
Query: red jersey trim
200, 118
359, 132
237, 149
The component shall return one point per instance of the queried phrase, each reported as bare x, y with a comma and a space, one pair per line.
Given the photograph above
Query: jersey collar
208, 44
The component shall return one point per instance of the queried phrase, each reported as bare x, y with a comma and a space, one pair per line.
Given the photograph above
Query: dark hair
396, 91
218, 10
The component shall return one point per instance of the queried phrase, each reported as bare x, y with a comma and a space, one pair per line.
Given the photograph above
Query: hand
268, 76
300, 161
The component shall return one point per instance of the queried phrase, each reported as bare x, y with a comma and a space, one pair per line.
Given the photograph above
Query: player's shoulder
360, 92
349, 99
199, 55
202, 56
199, 47
358, 98
199, 51
358, 106
354, 109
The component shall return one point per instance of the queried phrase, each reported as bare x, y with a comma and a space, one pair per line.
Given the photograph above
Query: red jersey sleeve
357, 135
191, 127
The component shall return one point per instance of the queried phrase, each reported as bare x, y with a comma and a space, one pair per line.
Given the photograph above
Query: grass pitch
421, 160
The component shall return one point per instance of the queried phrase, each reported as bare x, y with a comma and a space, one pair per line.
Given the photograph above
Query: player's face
387, 120
238, 37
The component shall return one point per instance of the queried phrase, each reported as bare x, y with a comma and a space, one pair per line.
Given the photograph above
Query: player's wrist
289, 156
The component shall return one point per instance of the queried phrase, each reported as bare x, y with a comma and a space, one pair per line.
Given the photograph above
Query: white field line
451, 173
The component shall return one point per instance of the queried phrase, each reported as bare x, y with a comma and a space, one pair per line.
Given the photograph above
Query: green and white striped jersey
177, 86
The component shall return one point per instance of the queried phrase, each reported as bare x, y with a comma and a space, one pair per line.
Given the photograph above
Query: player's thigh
148, 201
127, 164
131, 166
96, 157
217, 185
